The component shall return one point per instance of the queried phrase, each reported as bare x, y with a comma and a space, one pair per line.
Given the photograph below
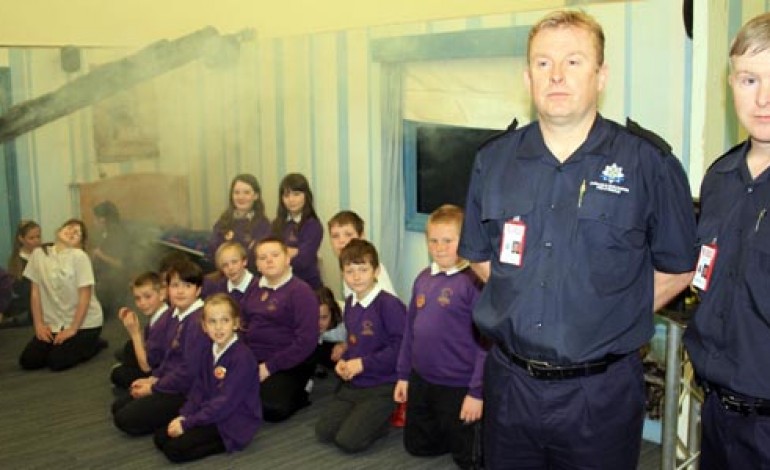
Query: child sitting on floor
155, 400
329, 318
146, 348
223, 410
374, 320
281, 329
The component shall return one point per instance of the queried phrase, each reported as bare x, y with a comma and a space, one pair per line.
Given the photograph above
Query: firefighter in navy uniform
729, 338
602, 220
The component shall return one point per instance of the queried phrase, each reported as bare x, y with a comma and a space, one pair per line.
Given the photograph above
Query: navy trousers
733, 441
283, 393
592, 422
433, 425
147, 414
194, 444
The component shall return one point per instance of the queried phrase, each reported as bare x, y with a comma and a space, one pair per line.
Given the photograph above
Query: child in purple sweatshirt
441, 362
280, 320
223, 410
155, 400
297, 224
374, 320
147, 346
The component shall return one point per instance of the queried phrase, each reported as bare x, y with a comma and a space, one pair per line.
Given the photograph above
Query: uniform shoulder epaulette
726, 154
511, 127
646, 134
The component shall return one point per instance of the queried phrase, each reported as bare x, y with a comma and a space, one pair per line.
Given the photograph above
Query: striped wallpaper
310, 104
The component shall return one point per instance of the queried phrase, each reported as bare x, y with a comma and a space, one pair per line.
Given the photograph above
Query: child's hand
175, 428
123, 312
141, 388
263, 372
341, 369
43, 332
129, 319
471, 410
144, 380
338, 350
349, 369
139, 382
401, 391
64, 335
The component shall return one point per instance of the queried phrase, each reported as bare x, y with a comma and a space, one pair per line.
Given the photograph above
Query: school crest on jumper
229, 235
445, 298
175, 341
220, 372
367, 328
272, 305
420, 301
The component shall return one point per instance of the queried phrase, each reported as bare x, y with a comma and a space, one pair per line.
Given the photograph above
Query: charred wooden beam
110, 78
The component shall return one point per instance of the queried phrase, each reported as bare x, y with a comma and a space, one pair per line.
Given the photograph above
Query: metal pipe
673, 378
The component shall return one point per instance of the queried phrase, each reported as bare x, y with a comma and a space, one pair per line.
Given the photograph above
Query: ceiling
137, 22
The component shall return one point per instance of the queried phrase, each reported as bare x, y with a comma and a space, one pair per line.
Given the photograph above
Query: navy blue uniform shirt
585, 287
729, 337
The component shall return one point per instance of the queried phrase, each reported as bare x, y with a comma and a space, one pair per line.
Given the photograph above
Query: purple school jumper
243, 232
375, 329
440, 341
186, 343
155, 343
306, 237
226, 394
281, 325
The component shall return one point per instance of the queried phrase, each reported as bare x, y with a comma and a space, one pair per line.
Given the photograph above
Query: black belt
732, 401
547, 371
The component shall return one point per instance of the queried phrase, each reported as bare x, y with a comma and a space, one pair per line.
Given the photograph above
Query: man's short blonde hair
566, 18
753, 37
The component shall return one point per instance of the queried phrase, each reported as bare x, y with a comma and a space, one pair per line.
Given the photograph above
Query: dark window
438, 160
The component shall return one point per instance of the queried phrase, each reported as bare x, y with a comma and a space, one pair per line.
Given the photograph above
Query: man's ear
601, 76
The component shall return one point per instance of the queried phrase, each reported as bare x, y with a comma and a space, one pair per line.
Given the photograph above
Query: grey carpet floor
62, 421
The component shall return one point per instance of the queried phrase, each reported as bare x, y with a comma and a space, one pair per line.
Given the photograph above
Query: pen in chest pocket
760, 216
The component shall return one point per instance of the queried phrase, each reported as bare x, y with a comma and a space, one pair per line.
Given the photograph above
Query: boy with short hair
374, 319
280, 320
144, 351
346, 226
156, 400
441, 362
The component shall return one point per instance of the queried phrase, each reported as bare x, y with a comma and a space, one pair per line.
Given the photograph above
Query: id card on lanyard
513, 242
704, 268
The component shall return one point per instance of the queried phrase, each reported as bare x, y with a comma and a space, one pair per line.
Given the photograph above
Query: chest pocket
708, 231
611, 237
758, 268
497, 211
